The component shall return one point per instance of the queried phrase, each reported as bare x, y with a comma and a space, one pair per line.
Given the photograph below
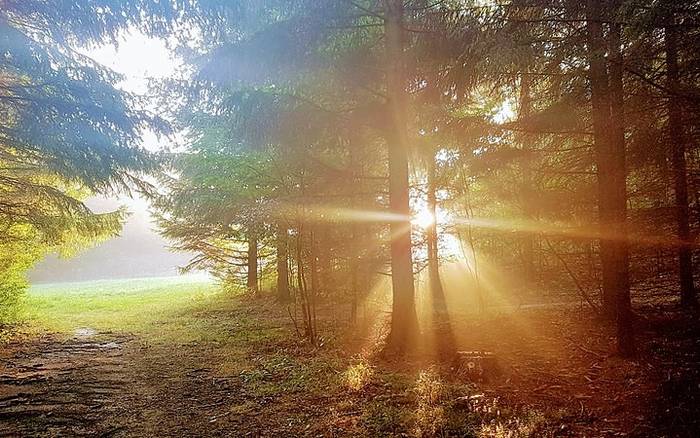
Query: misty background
139, 251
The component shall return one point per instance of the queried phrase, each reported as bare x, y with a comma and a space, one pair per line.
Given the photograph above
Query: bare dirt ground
556, 376
104, 384
107, 384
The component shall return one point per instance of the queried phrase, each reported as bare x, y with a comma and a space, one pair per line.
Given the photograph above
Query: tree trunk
600, 115
252, 277
302, 287
678, 161
325, 259
404, 323
354, 266
282, 265
444, 337
610, 163
625, 335
354, 243
312, 292
528, 238
436, 290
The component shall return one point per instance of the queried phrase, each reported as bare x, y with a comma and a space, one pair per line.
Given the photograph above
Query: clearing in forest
167, 357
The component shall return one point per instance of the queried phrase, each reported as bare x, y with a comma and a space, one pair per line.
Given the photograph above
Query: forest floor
183, 359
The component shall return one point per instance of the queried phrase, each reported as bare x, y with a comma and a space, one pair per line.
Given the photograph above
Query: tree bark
436, 290
252, 274
404, 323
312, 292
354, 266
606, 102
678, 161
625, 335
325, 259
354, 243
444, 337
282, 265
528, 238
600, 114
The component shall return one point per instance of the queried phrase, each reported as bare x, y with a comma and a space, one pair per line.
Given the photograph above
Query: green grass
140, 306
175, 310
252, 340
238, 333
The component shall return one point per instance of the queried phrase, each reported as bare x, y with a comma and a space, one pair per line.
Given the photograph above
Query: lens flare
423, 218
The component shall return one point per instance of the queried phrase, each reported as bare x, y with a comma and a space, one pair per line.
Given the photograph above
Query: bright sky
139, 59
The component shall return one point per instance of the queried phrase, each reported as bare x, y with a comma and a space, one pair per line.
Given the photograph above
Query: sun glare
423, 218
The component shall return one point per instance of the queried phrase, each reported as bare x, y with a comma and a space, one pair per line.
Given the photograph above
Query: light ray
330, 213
569, 231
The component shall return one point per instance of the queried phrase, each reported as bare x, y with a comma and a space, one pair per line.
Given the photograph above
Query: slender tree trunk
301, 284
404, 323
304, 292
474, 267
354, 244
528, 238
252, 275
312, 292
325, 262
600, 114
282, 265
678, 161
354, 266
625, 334
444, 336
436, 290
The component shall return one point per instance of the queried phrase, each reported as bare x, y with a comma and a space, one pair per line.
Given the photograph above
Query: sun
423, 218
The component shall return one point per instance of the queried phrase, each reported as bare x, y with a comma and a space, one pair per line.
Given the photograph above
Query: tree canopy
66, 131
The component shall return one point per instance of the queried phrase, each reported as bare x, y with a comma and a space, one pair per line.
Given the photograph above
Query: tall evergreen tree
66, 131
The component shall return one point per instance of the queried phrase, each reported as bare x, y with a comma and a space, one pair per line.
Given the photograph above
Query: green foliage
270, 118
19, 249
66, 132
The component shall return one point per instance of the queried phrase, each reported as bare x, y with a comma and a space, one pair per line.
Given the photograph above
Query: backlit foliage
65, 131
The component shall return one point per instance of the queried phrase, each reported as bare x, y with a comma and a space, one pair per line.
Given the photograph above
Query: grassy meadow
138, 306
252, 340
186, 326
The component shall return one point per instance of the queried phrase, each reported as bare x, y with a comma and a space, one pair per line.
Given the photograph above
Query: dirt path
556, 377
71, 387
105, 384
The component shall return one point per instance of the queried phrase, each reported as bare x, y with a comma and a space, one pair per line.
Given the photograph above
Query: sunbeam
571, 231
